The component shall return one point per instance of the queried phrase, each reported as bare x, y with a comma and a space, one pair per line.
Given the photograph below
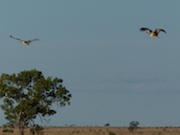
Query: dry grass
102, 131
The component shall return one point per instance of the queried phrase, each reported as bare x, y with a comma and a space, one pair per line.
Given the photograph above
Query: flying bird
24, 42
151, 33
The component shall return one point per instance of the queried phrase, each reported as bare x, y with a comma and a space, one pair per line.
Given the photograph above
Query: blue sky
116, 73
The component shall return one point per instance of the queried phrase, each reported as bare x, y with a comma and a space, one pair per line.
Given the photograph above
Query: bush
7, 131
36, 129
111, 133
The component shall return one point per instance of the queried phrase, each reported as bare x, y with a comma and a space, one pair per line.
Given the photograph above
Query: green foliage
29, 94
133, 126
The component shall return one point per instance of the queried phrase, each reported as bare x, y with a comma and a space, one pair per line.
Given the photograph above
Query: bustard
24, 42
151, 33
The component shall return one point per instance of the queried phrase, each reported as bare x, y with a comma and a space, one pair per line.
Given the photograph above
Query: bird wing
144, 29
162, 30
159, 30
35, 39
15, 38
29, 41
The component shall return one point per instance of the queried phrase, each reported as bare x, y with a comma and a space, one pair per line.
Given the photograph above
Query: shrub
36, 129
111, 133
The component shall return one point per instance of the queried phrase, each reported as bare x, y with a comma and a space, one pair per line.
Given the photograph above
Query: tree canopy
133, 125
29, 94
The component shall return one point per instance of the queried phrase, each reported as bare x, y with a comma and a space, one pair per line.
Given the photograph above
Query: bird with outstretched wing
24, 42
151, 33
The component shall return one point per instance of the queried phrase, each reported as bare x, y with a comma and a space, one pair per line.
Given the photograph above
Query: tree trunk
21, 130
20, 125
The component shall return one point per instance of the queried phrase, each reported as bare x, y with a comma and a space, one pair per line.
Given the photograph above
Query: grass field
102, 131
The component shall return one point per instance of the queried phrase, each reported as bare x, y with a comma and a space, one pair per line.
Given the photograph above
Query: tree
133, 125
29, 94
107, 125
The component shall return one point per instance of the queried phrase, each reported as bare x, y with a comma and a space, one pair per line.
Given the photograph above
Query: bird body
24, 42
151, 33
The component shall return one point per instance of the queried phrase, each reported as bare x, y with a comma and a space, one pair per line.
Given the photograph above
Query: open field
103, 131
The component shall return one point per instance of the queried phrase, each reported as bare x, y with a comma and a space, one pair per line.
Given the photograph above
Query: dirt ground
102, 131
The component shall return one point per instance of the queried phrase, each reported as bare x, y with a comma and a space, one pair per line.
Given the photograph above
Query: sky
115, 73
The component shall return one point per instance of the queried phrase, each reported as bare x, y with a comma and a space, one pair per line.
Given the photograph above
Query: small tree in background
107, 125
133, 125
29, 94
